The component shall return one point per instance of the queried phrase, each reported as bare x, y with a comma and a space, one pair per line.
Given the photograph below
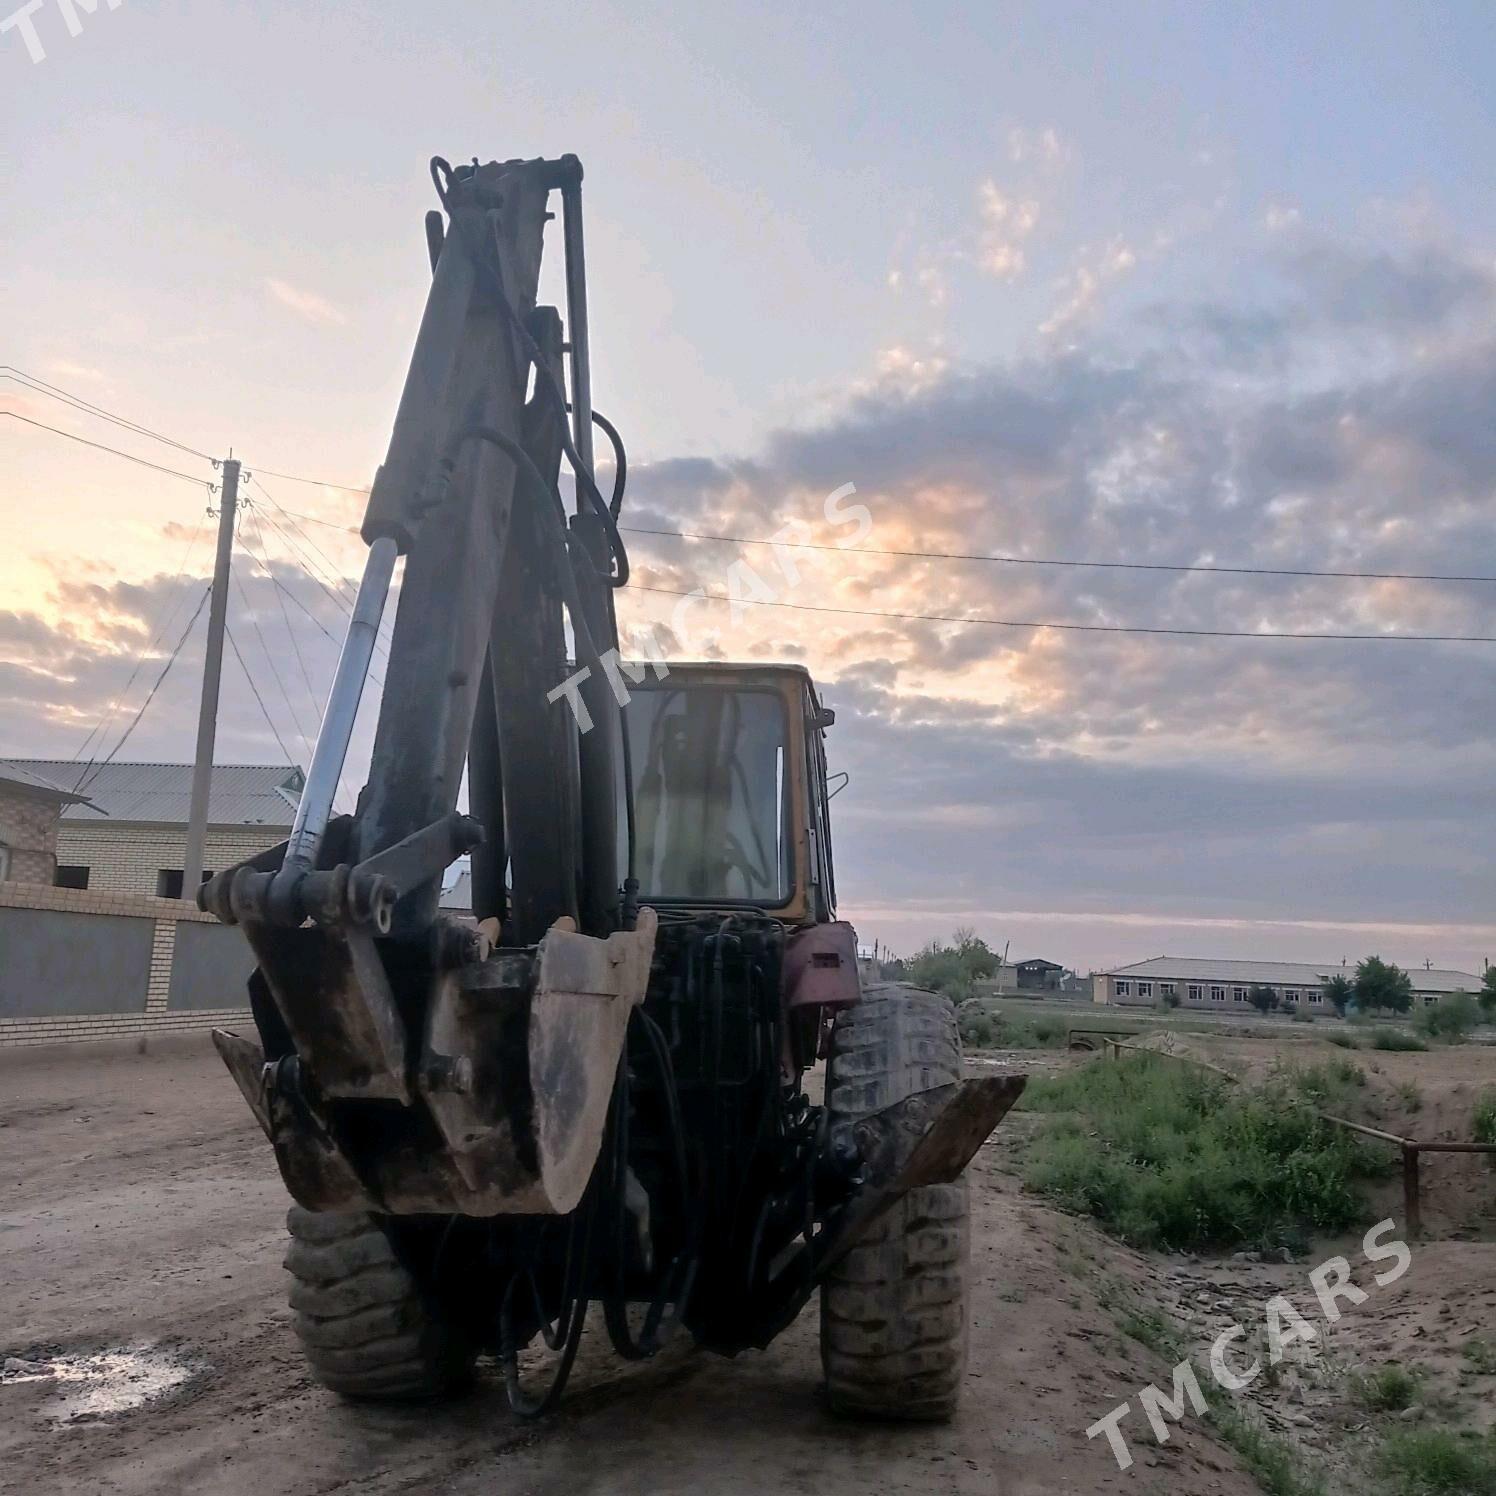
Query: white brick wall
28, 827
124, 857
165, 915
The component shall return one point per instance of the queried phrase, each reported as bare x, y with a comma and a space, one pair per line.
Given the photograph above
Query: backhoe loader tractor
593, 1095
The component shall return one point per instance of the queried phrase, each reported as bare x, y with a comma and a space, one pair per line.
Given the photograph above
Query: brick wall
125, 857
28, 827
152, 1013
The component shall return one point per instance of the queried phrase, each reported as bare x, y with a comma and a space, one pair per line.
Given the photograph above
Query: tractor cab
728, 772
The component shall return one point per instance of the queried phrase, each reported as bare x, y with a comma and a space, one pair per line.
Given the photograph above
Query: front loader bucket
509, 1095
927, 1138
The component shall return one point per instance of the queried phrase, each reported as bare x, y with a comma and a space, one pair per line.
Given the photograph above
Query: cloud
1302, 790
1082, 287
307, 304
1006, 222
1100, 796
1043, 147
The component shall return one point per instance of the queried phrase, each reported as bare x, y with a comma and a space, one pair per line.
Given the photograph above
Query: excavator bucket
508, 1097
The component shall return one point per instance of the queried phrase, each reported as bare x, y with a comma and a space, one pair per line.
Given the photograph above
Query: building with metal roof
1224, 983
124, 828
31, 807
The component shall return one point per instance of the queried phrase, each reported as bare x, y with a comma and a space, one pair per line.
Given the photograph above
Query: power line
286, 591
1079, 628
56, 392
315, 482
1005, 560
1241, 571
99, 446
311, 694
270, 661
233, 644
167, 616
87, 778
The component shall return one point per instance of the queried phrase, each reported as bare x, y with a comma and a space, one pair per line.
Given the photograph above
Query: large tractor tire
367, 1329
893, 1311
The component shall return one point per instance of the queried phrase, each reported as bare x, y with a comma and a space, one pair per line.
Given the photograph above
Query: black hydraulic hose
620, 459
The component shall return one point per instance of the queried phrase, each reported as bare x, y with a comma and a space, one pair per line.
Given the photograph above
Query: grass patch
1164, 1155
1389, 1389
983, 1027
1343, 1041
1396, 1039
1272, 1461
1433, 1462
1480, 1356
1484, 1124
1410, 1096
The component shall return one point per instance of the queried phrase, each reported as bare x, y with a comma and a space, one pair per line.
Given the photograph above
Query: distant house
1224, 985
129, 835
1025, 978
31, 807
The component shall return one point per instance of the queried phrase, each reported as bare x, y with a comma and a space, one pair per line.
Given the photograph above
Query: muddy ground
141, 1211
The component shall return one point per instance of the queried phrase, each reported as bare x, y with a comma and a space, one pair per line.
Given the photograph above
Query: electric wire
1081, 628
88, 778
101, 447
270, 661
167, 616
1004, 560
77, 402
260, 700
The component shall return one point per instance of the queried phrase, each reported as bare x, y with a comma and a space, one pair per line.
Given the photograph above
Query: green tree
1383, 986
953, 969
1451, 1018
1264, 999
1340, 990
1488, 992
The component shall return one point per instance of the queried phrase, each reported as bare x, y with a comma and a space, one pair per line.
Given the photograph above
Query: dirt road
141, 1211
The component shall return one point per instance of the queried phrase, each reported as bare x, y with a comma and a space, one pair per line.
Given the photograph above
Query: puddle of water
96, 1383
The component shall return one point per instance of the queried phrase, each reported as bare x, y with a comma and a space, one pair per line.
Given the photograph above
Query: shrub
1389, 1390
1343, 1041
1395, 1039
1432, 1462
1302, 1015
1452, 1019
1410, 1096
1485, 1117
1166, 1155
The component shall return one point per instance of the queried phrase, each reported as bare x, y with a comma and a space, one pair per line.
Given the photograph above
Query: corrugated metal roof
1282, 973
243, 794
19, 773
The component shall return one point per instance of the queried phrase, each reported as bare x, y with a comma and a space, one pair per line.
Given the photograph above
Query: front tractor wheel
367, 1329
893, 1310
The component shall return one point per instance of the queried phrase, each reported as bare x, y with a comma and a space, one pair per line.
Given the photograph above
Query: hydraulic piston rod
336, 731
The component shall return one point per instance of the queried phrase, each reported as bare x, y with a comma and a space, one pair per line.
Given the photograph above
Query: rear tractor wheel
367, 1329
893, 1311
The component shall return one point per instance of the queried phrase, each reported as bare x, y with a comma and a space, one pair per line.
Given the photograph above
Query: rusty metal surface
507, 1104
928, 1138
331, 989
820, 967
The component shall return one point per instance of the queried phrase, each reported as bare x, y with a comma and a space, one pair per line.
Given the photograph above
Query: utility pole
207, 718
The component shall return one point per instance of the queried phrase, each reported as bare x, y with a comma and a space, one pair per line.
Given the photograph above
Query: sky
1157, 284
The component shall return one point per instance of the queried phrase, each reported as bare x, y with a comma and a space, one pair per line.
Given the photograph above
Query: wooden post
1412, 1211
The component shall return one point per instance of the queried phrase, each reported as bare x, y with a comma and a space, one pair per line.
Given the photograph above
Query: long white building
1222, 984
